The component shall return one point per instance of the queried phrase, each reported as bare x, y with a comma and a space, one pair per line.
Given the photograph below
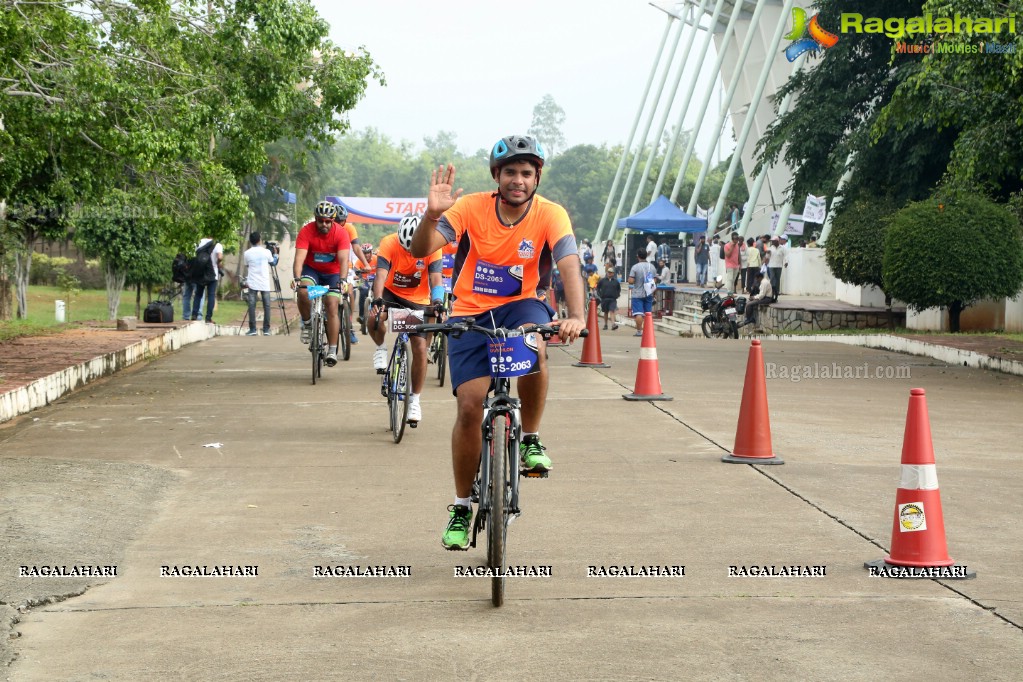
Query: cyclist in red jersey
409, 282
321, 257
508, 241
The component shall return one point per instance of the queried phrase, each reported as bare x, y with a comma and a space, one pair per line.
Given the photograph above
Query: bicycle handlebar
469, 325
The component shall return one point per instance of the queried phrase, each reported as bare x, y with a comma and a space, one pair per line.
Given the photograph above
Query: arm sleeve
447, 229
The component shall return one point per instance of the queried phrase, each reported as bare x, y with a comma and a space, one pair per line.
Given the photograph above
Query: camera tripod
278, 296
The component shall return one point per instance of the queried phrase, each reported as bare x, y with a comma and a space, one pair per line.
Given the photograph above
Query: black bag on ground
158, 311
200, 267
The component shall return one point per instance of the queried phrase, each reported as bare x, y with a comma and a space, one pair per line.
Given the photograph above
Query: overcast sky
477, 67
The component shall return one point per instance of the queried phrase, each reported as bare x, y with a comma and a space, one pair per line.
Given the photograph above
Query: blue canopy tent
662, 216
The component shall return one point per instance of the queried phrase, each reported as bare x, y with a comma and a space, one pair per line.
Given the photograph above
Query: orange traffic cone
591, 345
753, 430
918, 529
648, 375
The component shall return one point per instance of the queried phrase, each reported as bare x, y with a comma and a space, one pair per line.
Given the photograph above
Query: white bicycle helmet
406, 229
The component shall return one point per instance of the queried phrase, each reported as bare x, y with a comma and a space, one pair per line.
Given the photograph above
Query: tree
855, 250
951, 253
579, 182
118, 233
840, 100
548, 118
976, 96
173, 101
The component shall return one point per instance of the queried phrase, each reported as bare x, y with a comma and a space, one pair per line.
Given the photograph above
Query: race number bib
320, 257
497, 280
407, 280
403, 320
512, 357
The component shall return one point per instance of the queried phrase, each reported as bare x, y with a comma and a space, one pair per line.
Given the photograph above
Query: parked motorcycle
723, 311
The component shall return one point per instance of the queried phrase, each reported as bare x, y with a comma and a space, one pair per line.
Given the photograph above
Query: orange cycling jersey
496, 263
448, 260
407, 277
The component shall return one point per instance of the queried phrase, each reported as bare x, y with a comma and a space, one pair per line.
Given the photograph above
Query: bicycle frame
499, 405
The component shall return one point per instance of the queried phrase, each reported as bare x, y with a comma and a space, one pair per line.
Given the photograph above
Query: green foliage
856, 244
840, 100
171, 103
975, 96
952, 254
579, 181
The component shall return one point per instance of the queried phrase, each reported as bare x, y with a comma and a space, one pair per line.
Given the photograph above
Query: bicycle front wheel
345, 336
442, 357
401, 388
497, 524
316, 345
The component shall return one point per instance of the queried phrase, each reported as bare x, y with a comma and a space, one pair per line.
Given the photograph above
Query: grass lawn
91, 305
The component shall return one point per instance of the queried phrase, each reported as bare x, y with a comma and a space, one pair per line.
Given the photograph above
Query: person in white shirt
774, 264
651, 250
764, 295
258, 260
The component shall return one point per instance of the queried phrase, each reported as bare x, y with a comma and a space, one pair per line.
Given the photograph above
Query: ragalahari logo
807, 35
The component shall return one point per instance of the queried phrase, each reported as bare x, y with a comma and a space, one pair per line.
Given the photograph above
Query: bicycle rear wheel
401, 388
497, 524
345, 336
316, 345
441, 358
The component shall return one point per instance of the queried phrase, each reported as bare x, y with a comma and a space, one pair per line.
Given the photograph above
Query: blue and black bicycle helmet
325, 209
516, 148
342, 213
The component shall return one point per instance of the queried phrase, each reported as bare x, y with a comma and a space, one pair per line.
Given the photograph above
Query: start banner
379, 210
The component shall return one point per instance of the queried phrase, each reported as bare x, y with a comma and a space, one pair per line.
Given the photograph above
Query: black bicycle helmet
325, 209
515, 148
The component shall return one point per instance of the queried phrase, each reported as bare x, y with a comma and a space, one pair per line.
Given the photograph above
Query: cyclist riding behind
321, 257
355, 255
409, 282
506, 241
368, 275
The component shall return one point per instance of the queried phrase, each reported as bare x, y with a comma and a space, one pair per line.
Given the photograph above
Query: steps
682, 322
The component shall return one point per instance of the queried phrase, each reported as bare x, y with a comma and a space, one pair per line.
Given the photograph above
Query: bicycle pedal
413, 425
534, 474
381, 371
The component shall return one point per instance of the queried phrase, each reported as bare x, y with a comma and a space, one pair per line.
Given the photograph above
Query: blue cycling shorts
467, 355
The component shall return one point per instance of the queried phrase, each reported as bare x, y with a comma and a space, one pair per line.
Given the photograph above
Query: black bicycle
396, 383
318, 323
513, 352
345, 335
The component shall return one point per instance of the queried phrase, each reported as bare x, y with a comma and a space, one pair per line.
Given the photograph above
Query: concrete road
306, 476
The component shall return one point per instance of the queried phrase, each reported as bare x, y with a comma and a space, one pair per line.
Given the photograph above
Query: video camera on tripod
274, 248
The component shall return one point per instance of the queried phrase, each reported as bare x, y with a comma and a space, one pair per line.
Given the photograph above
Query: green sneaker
532, 457
456, 535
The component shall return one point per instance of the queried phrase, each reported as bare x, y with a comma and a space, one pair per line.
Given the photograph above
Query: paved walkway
224, 454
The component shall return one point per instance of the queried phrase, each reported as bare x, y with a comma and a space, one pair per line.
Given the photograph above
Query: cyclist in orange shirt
507, 243
368, 274
408, 282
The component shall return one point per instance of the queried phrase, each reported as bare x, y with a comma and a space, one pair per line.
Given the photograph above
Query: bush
46, 269
855, 247
953, 254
